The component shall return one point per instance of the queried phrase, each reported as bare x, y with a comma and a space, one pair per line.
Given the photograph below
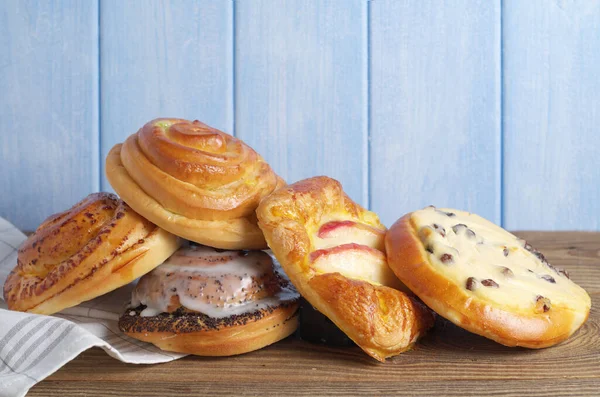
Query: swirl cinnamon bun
98, 245
212, 303
193, 180
333, 251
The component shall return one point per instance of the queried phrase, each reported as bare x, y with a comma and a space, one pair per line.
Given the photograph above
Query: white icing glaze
482, 256
218, 284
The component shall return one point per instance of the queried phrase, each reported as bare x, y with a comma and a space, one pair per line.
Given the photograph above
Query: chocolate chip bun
212, 303
484, 279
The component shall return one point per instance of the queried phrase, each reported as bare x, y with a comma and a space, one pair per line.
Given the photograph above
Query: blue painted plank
435, 106
301, 88
551, 114
48, 107
164, 59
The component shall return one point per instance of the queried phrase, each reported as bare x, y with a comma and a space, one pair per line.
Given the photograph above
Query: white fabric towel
32, 346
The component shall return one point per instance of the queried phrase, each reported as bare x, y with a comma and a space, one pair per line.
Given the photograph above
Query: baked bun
212, 303
484, 279
194, 181
98, 245
333, 251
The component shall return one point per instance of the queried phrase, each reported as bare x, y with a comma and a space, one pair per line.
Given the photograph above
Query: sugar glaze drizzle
218, 284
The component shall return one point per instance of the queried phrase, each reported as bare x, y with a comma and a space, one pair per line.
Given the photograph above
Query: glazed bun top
94, 247
196, 170
213, 282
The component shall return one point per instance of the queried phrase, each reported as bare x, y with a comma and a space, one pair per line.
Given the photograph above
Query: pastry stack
185, 223
196, 207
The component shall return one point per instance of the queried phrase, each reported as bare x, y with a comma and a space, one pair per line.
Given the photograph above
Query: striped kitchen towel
34, 346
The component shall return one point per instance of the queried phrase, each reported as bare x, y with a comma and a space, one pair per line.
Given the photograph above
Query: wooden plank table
447, 362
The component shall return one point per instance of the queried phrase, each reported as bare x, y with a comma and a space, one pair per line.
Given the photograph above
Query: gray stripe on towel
47, 334
52, 346
13, 331
19, 345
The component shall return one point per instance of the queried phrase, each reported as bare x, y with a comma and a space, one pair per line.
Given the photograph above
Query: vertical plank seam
502, 98
234, 68
367, 144
99, 185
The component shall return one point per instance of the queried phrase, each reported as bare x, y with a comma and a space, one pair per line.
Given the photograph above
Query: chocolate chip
440, 229
429, 249
458, 227
448, 214
471, 284
548, 278
558, 270
535, 252
507, 272
505, 251
490, 283
446, 258
542, 304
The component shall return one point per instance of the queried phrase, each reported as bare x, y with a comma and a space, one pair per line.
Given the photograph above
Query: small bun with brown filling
333, 251
484, 279
97, 246
212, 303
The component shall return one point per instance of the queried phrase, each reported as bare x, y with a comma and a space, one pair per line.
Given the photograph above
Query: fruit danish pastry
484, 279
193, 180
97, 246
333, 252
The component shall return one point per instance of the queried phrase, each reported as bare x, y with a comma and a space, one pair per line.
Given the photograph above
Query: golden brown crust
382, 321
95, 247
194, 181
192, 334
408, 259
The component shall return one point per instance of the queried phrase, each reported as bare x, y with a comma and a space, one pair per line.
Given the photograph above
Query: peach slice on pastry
355, 261
335, 233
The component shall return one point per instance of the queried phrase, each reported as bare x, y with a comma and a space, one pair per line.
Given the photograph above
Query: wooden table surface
447, 362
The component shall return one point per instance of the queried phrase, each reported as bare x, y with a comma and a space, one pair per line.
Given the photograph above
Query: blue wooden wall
487, 105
